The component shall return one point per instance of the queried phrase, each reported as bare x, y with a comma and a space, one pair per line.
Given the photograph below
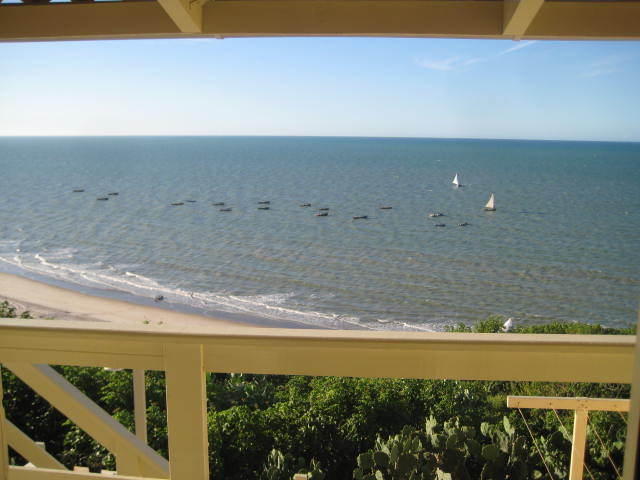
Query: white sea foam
57, 264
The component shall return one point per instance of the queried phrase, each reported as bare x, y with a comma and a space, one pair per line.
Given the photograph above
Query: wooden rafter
568, 20
518, 15
186, 14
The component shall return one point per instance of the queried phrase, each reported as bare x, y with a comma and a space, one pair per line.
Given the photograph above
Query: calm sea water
563, 244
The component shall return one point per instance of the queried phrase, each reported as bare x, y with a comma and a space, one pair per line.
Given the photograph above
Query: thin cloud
457, 63
441, 65
606, 66
518, 46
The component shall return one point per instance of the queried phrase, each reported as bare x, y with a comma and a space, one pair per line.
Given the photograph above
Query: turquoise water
562, 245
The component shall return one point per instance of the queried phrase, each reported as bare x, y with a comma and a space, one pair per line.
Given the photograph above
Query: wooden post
186, 412
4, 450
631, 468
578, 444
140, 404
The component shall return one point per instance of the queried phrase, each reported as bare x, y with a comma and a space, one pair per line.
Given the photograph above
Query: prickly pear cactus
279, 466
399, 457
506, 457
447, 451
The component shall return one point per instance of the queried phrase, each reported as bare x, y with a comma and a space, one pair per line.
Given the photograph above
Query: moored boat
456, 181
491, 204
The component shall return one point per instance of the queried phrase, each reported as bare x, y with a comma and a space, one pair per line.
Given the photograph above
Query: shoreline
49, 302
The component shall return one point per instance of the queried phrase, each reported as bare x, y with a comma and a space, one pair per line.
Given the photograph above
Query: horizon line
154, 135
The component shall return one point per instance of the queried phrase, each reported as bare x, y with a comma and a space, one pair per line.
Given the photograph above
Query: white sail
491, 204
456, 182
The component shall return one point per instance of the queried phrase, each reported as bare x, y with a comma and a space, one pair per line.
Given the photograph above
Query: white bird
508, 325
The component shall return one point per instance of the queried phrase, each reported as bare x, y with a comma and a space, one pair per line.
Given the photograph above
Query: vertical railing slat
4, 450
631, 469
186, 412
578, 444
140, 404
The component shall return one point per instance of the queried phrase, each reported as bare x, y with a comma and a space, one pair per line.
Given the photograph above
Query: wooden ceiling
514, 19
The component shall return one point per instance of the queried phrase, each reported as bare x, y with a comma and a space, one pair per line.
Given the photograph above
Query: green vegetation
269, 427
9, 311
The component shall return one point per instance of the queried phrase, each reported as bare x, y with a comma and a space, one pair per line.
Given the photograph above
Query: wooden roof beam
518, 15
557, 20
186, 14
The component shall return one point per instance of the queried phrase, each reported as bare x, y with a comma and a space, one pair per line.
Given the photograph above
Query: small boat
218, 204
102, 198
265, 202
456, 181
305, 205
323, 209
113, 194
225, 209
440, 225
436, 214
491, 204
264, 208
177, 204
78, 190
386, 208
323, 214
191, 201
463, 224
361, 217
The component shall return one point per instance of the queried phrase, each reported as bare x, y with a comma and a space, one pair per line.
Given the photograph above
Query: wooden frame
523, 19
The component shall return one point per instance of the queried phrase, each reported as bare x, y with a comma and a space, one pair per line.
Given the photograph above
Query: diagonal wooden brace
133, 457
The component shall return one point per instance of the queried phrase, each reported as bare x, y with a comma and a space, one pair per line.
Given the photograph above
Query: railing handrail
198, 333
462, 356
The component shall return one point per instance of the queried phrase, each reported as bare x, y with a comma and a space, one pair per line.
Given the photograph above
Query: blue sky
323, 86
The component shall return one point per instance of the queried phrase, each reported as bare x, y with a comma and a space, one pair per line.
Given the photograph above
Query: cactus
279, 466
508, 454
448, 451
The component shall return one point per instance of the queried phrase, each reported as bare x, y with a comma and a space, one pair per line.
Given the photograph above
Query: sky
323, 86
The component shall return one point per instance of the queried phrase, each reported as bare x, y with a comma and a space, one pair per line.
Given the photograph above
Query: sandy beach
45, 301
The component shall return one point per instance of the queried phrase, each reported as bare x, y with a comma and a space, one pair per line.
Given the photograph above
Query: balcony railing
28, 346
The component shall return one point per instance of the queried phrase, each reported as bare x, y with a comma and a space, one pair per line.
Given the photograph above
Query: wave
58, 264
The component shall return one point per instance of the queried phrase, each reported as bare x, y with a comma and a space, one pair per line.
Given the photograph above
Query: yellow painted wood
186, 412
4, 450
29, 449
631, 467
133, 457
186, 14
33, 347
578, 444
570, 403
235, 18
147, 19
586, 20
140, 404
518, 15
25, 473
579, 358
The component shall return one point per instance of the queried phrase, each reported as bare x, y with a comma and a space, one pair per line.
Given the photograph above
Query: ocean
563, 244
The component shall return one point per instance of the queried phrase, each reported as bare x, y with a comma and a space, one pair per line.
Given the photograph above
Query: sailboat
491, 204
456, 181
